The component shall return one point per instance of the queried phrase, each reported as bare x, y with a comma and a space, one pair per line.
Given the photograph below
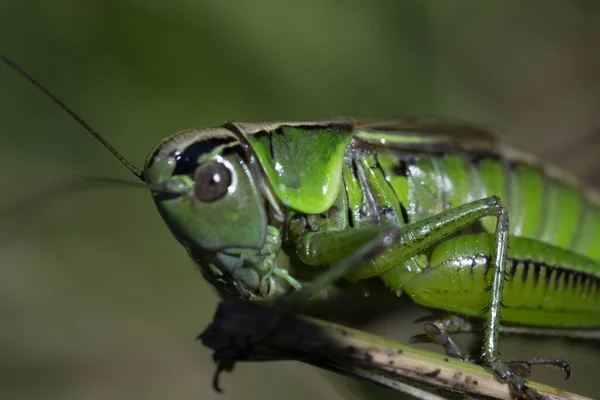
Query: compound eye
212, 180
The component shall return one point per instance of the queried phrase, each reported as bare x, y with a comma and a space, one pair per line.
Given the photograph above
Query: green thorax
302, 161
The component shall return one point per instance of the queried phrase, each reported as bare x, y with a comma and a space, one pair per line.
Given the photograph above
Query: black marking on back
547, 278
513, 267
536, 273
559, 272
478, 156
353, 168
342, 126
350, 214
404, 212
401, 168
350, 217
525, 271
271, 151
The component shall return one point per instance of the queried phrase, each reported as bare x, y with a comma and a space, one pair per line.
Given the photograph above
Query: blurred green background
97, 300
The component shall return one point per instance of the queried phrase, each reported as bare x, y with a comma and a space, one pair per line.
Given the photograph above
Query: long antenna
135, 170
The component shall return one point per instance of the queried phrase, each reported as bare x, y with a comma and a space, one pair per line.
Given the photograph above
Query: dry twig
350, 352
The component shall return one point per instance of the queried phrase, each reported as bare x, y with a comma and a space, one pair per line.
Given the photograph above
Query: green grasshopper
439, 210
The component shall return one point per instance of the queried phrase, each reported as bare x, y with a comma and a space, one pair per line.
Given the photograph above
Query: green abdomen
554, 226
554, 247
539, 289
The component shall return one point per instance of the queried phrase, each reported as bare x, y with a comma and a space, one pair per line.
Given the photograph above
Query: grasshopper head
214, 206
208, 188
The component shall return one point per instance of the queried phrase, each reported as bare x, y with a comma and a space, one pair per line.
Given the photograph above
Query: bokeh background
98, 301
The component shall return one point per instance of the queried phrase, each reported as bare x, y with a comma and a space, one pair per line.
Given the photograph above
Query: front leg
375, 249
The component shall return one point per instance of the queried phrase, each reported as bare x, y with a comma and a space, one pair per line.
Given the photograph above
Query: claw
523, 368
436, 334
508, 373
515, 372
420, 338
453, 349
